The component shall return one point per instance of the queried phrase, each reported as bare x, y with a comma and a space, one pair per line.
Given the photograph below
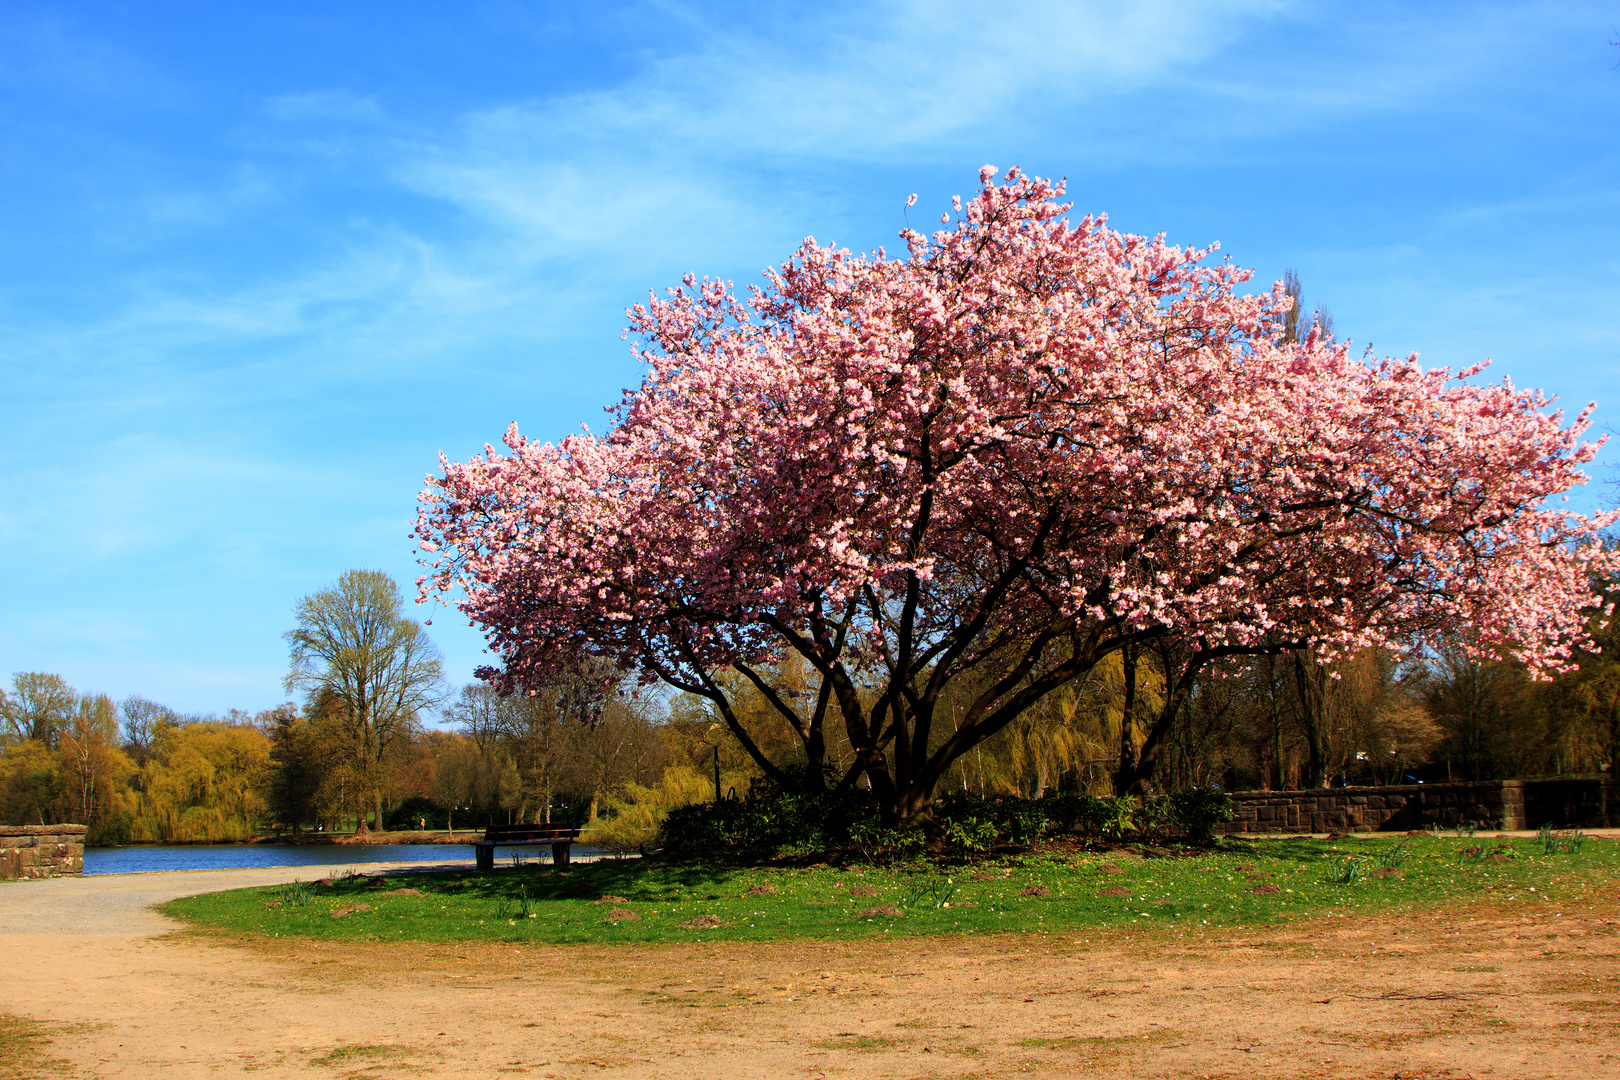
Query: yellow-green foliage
1070, 738
203, 784
31, 782
83, 780
634, 816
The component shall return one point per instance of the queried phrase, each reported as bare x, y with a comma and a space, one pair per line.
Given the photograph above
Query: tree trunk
1614, 740
1308, 676
1126, 775
1276, 727
1611, 784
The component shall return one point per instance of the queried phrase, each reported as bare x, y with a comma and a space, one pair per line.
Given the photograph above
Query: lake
132, 860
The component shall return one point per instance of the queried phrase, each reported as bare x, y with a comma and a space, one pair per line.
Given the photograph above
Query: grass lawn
633, 901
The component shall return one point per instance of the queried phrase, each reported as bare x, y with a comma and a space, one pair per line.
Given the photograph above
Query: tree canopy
364, 664
957, 480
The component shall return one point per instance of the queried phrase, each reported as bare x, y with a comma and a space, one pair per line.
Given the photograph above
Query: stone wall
1495, 804
41, 851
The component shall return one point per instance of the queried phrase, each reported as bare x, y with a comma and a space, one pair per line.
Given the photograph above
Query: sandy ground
1479, 991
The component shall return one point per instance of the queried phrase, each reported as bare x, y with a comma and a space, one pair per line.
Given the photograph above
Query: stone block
41, 851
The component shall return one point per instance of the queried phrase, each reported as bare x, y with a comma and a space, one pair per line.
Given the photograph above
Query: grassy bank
634, 901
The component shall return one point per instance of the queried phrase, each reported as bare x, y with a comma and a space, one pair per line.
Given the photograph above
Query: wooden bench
560, 837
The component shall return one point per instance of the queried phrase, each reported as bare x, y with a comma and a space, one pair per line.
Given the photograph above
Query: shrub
1190, 814
969, 835
879, 843
981, 821
1199, 809
1078, 814
769, 820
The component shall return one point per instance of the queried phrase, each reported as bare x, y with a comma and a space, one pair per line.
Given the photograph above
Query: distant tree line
139, 772
1273, 722
358, 751
133, 770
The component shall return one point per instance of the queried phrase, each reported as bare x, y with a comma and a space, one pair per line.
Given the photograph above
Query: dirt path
1480, 991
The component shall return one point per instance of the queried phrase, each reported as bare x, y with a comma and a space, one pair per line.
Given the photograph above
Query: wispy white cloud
571, 198
898, 78
919, 75
1589, 192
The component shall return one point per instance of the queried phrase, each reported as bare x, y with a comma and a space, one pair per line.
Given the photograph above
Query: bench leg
485, 856
559, 854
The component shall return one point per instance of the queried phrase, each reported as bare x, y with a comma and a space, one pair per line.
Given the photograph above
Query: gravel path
120, 904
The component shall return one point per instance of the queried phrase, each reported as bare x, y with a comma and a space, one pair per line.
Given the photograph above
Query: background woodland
136, 771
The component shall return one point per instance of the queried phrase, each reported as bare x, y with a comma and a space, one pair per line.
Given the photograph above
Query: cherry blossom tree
973, 472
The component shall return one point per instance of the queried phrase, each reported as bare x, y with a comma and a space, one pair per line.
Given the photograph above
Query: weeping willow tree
1075, 738
205, 782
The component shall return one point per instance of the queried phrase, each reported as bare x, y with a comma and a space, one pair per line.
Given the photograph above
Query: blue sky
260, 263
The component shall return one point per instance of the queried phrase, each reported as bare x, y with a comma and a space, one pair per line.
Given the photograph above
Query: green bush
880, 843
1014, 819
1198, 810
969, 835
1190, 814
1081, 815
771, 820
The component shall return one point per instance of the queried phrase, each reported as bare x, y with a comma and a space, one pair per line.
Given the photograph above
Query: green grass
355, 1053
678, 903
23, 1050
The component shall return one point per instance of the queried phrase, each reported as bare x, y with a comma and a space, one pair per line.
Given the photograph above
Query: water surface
129, 860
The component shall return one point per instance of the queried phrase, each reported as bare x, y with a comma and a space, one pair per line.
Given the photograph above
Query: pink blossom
1029, 443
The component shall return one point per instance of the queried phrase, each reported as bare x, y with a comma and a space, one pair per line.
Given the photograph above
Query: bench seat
560, 837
